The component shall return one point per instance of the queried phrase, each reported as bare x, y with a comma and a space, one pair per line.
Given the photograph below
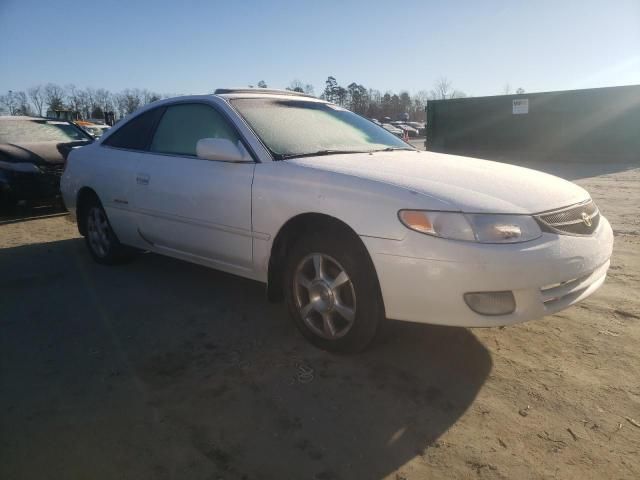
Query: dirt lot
161, 369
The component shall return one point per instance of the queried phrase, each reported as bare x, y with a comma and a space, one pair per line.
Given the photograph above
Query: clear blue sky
188, 46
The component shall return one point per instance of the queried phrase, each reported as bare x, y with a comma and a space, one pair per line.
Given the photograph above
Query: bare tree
128, 101
148, 97
520, 91
506, 90
296, 86
94, 103
120, 102
75, 99
36, 95
103, 100
90, 101
442, 89
15, 103
422, 96
84, 104
54, 96
8, 103
22, 104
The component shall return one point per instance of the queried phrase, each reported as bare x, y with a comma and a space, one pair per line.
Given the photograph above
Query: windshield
25, 131
291, 128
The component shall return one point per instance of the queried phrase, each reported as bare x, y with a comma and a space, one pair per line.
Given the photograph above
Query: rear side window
183, 125
135, 134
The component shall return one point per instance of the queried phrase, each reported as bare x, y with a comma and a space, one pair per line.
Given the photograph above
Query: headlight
27, 167
504, 228
480, 227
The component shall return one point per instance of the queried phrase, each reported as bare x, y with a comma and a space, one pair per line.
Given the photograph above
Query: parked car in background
32, 157
398, 132
421, 127
96, 130
341, 219
411, 132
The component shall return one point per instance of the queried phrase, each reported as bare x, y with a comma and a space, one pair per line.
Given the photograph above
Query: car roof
260, 91
231, 93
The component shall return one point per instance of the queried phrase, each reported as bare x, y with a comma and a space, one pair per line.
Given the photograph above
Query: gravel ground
162, 369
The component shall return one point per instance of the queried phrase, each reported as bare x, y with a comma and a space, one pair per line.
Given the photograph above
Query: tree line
373, 103
88, 102
93, 103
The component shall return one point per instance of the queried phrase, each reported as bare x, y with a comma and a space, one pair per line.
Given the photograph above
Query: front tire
332, 292
101, 240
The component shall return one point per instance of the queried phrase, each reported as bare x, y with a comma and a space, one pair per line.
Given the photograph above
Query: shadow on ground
162, 369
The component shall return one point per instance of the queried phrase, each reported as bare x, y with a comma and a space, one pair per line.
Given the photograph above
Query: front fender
283, 190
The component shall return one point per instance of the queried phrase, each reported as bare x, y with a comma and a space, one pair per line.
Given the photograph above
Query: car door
115, 167
189, 206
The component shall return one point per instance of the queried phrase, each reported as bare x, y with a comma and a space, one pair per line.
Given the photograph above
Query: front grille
581, 219
52, 169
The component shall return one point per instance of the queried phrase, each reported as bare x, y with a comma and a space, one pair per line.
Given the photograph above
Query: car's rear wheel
101, 240
332, 293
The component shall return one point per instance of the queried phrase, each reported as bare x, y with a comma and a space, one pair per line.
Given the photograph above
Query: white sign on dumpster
521, 106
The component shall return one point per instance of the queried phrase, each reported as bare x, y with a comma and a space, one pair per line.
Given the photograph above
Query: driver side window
183, 125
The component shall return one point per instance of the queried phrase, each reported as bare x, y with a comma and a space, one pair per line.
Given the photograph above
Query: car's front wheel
332, 293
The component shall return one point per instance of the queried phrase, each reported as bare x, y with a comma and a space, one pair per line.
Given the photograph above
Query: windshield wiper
392, 149
319, 153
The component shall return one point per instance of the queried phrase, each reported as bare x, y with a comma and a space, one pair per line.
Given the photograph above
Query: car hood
461, 183
37, 152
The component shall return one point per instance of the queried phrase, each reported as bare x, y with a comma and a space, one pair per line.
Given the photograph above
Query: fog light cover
491, 303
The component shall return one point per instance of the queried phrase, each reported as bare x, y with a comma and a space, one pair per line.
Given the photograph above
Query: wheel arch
290, 232
84, 196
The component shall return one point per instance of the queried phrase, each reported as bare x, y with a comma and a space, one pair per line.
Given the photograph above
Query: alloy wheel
98, 232
324, 296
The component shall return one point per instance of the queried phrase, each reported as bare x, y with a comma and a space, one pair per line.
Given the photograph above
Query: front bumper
30, 186
423, 279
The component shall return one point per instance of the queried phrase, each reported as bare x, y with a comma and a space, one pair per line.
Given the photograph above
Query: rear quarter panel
110, 174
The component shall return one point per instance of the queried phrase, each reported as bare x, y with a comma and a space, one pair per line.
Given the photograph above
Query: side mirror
223, 150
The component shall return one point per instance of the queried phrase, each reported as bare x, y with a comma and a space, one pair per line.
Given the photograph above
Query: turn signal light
416, 220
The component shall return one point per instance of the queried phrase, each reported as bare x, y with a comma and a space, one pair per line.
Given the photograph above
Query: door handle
142, 179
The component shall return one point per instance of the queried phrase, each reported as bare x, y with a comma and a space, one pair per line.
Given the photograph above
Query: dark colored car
33, 152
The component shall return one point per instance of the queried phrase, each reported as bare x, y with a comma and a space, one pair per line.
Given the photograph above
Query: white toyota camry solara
342, 220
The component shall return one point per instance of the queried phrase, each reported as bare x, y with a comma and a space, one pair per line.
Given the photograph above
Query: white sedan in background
341, 219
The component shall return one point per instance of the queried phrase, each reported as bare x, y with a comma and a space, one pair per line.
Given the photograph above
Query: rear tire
332, 292
101, 240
